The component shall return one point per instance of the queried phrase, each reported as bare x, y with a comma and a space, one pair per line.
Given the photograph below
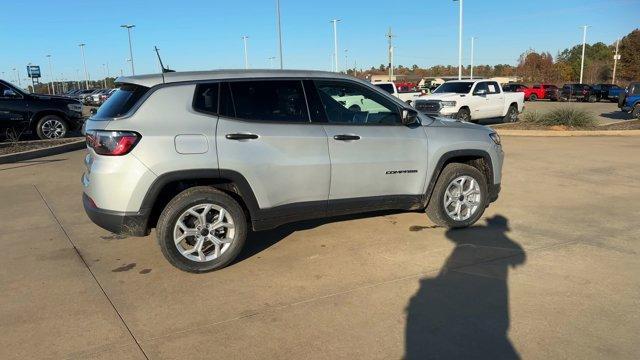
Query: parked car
50, 117
629, 100
579, 92
609, 92
405, 94
240, 150
527, 91
472, 100
551, 92
83, 94
99, 97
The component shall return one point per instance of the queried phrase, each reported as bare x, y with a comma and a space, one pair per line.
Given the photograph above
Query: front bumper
124, 223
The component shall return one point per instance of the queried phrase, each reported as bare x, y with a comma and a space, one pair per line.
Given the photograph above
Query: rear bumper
125, 223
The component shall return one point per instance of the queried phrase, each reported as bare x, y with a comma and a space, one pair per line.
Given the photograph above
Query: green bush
570, 117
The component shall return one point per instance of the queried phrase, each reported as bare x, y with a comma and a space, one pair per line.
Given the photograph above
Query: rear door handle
241, 136
345, 137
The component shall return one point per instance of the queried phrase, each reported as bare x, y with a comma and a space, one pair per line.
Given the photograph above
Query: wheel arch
42, 113
168, 185
480, 159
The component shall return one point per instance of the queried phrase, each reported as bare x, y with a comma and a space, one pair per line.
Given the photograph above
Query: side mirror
9, 93
481, 92
93, 111
409, 117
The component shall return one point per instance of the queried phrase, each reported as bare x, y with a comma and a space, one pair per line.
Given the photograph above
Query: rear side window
206, 98
493, 87
269, 100
386, 87
121, 101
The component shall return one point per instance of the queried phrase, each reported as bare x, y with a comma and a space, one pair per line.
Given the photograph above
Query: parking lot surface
606, 112
551, 271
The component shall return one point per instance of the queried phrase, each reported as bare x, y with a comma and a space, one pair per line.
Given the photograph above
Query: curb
37, 153
573, 133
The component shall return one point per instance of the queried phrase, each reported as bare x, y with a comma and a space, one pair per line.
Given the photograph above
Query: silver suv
205, 156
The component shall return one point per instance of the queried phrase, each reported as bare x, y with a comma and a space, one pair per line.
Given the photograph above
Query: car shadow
262, 240
463, 312
617, 115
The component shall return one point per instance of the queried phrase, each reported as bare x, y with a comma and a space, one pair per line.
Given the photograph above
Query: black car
609, 92
580, 92
50, 117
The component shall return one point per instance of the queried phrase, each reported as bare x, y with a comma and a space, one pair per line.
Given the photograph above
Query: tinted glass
386, 87
206, 98
226, 104
481, 86
454, 87
270, 100
348, 103
121, 101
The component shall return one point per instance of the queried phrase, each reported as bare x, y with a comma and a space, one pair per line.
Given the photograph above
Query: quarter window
269, 100
348, 103
493, 87
206, 98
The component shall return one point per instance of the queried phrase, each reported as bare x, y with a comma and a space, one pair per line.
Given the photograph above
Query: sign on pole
33, 71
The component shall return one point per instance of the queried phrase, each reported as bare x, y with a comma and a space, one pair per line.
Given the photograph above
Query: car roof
188, 76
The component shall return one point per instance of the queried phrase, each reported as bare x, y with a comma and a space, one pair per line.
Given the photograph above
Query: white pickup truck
472, 100
391, 88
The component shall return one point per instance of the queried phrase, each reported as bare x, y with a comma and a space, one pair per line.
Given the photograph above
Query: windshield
121, 101
386, 87
454, 87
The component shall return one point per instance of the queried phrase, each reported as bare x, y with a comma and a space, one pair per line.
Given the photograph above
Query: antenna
162, 68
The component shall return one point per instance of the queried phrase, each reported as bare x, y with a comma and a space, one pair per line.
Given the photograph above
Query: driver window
481, 86
348, 103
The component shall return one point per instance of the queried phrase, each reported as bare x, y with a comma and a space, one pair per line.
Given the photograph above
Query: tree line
537, 67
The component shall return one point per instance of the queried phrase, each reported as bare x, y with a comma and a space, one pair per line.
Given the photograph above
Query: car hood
453, 123
54, 97
442, 96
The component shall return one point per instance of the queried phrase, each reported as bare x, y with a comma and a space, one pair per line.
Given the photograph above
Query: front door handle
241, 136
345, 137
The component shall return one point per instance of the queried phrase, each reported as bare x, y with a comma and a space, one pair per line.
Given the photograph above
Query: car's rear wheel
464, 114
592, 98
512, 114
201, 229
533, 97
51, 127
459, 197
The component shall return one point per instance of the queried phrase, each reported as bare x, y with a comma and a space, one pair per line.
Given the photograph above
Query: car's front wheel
459, 197
51, 127
201, 229
464, 114
636, 111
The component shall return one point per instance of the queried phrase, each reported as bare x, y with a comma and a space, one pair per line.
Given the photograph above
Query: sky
206, 34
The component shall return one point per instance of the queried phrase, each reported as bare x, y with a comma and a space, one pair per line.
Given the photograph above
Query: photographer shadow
463, 313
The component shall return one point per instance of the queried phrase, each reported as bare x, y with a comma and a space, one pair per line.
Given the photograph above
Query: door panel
282, 155
372, 154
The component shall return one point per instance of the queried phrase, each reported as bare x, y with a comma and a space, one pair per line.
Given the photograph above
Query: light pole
346, 63
271, 59
460, 41
51, 76
86, 74
584, 41
17, 73
246, 58
129, 27
78, 79
335, 44
390, 53
472, 40
616, 57
279, 32
104, 81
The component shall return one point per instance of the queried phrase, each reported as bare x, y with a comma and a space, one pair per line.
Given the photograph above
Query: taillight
112, 143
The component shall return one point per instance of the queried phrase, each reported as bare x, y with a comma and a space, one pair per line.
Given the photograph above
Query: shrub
569, 117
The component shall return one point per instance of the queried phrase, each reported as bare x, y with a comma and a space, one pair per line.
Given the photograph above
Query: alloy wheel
204, 232
53, 129
462, 198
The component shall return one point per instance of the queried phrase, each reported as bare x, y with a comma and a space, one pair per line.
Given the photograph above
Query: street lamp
460, 41
86, 74
584, 40
335, 44
279, 32
129, 27
246, 59
473, 38
51, 76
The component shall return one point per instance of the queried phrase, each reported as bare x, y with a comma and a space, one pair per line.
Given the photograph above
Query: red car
536, 92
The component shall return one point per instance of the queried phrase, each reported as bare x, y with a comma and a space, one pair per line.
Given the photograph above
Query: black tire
635, 113
51, 127
621, 99
592, 98
512, 115
464, 114
533, 97
181, 203
436, 208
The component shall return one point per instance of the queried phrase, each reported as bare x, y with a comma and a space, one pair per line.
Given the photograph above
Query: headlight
448, 103
75, 107
495, 137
